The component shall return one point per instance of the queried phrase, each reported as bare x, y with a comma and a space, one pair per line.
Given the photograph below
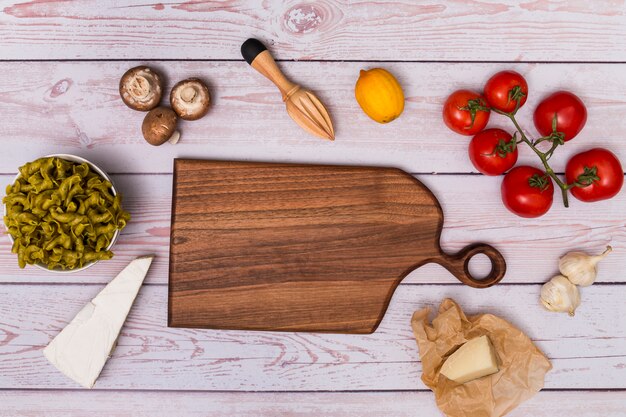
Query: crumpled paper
522, 366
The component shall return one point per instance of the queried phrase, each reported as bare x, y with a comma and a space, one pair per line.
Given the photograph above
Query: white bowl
94, 167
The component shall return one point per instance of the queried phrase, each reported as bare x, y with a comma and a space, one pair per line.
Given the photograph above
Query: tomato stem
474, 106
551, 151
588, 177
556, 139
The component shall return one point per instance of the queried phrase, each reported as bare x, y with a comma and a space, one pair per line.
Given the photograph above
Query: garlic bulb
580, 268
560, 295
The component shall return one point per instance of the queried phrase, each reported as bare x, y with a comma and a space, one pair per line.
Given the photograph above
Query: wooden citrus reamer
302, 105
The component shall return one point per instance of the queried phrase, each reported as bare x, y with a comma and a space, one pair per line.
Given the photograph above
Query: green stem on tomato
551, 150
543, 156
543, 139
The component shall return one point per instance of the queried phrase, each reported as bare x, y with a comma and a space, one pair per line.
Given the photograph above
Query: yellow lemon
379, 94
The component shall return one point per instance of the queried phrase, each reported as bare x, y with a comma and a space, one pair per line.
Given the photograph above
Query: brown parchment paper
522, 365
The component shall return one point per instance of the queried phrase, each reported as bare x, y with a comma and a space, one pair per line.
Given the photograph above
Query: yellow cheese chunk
475, 359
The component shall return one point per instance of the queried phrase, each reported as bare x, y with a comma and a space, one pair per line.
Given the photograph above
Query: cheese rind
475, 359
84, 345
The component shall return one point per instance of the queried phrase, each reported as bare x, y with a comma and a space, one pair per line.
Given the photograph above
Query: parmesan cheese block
475, 359
83, 346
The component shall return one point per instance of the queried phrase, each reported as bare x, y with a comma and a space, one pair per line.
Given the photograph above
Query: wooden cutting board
257, 246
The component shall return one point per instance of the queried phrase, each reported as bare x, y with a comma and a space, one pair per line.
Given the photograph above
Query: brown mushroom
159, 126
141, 88
190, 99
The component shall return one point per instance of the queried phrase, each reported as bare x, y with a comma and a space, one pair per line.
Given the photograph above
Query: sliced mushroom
190, 99
159, 126
141, 88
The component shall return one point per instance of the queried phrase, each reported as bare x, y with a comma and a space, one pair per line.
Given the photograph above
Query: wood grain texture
203, 404
257, 246
588, 351
74, 107
531, 247
366, 30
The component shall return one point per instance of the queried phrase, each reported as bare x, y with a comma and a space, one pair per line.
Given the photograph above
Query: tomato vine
556, 138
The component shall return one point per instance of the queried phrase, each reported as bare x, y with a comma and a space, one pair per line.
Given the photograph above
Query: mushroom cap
190, 99
141, 88
159, 125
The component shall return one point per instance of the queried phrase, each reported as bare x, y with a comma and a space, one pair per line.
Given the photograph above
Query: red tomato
466, 112
570, 112
504, 89
601, 169
527, 191
493, 152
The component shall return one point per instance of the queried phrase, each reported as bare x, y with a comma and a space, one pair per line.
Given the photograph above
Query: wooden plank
365, 30
587, 351
531, 247
75, 108
202, 404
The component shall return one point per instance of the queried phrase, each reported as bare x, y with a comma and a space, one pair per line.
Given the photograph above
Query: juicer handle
259, 58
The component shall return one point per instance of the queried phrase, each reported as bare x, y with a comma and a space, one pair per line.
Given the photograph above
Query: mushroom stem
175, 138
139, 86
188, 94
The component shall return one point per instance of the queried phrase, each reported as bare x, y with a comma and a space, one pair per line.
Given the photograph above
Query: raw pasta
62, 214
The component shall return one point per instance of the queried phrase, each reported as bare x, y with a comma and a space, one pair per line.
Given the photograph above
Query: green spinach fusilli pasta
62, 214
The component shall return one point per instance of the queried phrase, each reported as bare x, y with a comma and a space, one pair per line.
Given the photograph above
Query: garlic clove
560, 295
580, 268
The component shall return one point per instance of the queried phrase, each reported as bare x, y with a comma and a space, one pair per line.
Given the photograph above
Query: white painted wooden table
59, 69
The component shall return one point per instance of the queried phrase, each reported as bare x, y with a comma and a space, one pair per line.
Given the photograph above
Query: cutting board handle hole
480, 266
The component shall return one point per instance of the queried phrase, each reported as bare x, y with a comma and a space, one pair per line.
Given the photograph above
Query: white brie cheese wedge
83, 346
